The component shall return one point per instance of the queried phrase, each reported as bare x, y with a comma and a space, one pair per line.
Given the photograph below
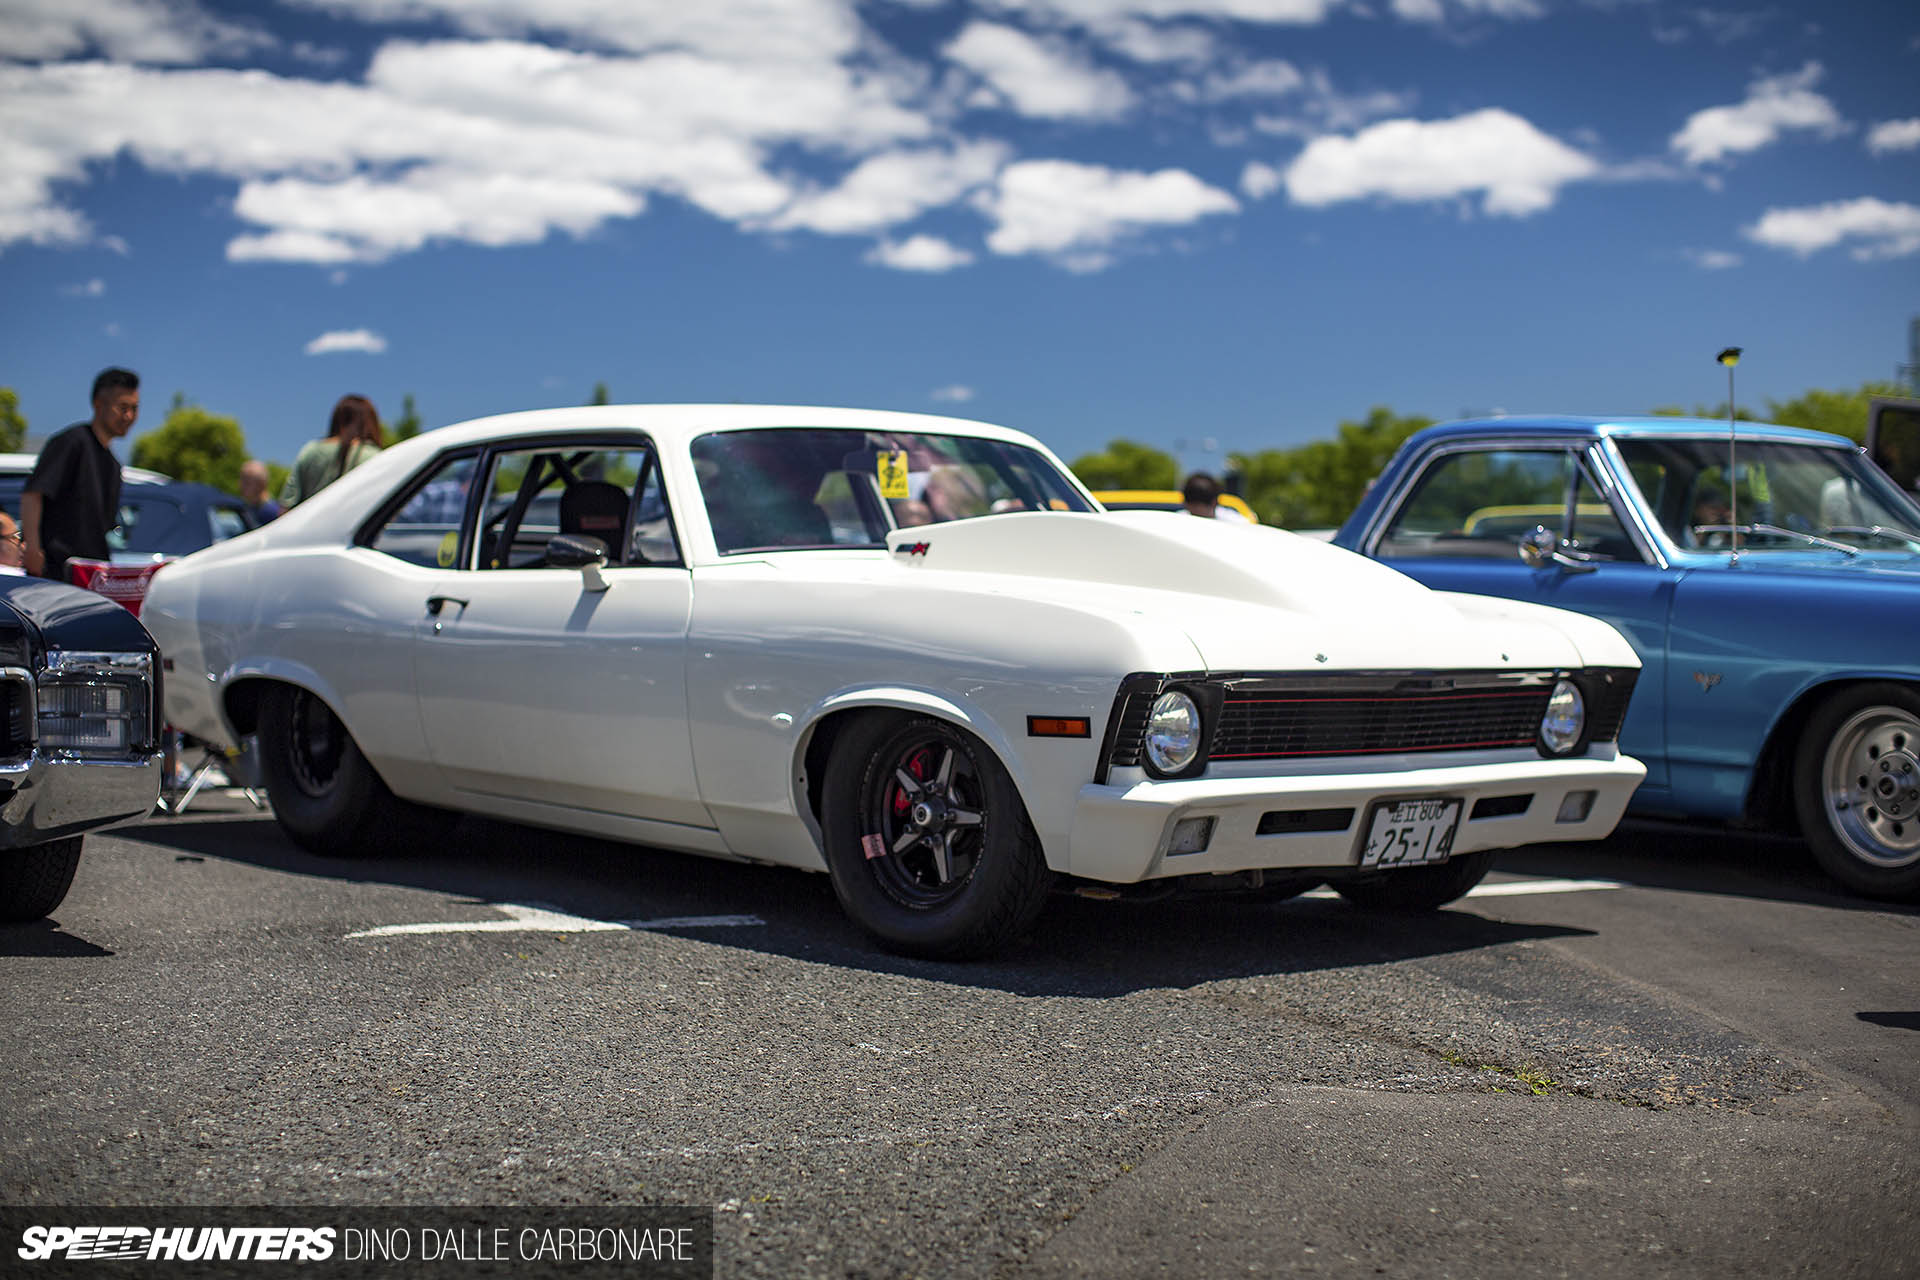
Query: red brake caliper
917, 766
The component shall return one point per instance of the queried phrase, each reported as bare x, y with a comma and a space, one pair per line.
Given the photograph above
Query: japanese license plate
1406, 833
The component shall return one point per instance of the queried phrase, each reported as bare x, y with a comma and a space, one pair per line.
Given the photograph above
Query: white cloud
1044, 78
1434, 11
1712, 259
762, 30
1259, 180
152, 31
1324, 109
93, 288
1772, 106
1875, 229
1517, 169
1075, 211
1150, 43
347, 340
889, 189
1894, 135
955, 394
1269, 79
491, 142
919, 253
1100, 12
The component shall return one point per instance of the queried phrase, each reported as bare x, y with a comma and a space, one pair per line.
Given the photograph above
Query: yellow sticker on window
892, 470
449, 549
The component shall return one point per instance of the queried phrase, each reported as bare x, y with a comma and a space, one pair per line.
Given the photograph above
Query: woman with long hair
353, 436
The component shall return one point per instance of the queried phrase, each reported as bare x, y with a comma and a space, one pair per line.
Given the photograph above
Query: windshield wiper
1750, 529
1890, 532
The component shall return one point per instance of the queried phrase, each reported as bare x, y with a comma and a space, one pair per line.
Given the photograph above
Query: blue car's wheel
1858, 789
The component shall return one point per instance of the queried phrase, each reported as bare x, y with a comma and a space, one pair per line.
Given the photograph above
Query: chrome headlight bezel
1563, 724
119, 687
1172, 746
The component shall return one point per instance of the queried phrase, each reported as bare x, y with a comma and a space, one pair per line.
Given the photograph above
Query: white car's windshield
802, 487
1784, 497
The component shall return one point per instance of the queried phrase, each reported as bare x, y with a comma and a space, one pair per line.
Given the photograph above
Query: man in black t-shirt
73, 496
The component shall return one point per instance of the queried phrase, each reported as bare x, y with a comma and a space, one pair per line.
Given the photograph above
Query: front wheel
35, 880
1418, 888
1857, 789
325, 794
927, 841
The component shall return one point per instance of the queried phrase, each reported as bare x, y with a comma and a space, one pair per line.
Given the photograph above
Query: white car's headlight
1565, 721
1173, 732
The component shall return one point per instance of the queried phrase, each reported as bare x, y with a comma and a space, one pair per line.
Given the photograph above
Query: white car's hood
1251, 598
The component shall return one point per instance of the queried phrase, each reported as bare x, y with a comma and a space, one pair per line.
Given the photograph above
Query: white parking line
1512, 888
531, 919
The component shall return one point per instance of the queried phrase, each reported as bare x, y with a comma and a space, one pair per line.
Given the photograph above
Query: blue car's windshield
1783, 497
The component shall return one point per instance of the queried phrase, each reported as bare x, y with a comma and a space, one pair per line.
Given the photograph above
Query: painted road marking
1511, 888
534, 919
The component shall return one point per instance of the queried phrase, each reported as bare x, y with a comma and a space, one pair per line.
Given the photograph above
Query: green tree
13, 427
1844, 413
193, 444
277, 473
404, 427
600, 394
1317, 485
1125, 464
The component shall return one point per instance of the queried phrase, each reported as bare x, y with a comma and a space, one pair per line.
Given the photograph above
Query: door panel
532, 687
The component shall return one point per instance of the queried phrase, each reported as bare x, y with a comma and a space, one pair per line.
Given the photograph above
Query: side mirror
577, 551
1540, 547
1537, 546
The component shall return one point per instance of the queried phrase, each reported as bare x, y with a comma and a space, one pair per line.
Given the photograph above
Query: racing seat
596, 509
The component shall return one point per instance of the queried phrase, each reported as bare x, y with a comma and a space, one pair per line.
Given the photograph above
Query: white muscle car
910, 651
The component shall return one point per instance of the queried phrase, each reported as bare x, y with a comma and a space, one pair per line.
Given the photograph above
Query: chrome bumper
51, 796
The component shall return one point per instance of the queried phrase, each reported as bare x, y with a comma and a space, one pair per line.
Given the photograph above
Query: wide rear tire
1418, 888
325, 795
34, 881
956, 870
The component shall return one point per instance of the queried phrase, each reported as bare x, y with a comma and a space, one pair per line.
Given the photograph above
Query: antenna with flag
1731, 357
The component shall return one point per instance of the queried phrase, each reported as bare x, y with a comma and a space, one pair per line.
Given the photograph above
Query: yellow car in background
1165, 500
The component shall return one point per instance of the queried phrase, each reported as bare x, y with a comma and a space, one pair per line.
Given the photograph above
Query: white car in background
908, 651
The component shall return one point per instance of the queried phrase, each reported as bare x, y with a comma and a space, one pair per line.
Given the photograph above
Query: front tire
1418, 888
34, 881
955, 871
1857, 789
325, 795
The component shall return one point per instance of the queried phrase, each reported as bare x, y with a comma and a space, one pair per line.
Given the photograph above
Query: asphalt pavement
1678, 1053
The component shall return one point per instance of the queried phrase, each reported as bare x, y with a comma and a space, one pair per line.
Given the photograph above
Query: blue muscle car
1769, 578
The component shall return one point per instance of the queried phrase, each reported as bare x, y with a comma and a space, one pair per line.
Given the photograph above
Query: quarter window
426, 528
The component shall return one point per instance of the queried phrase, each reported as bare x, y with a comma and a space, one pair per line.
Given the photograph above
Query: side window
426, 528
1480, 504
613, 495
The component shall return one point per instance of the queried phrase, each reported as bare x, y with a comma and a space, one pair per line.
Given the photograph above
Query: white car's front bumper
1121, 831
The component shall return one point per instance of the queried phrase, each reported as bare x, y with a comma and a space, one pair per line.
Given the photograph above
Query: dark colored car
80, 732
159, 516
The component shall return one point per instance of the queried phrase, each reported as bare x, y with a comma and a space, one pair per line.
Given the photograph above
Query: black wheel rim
925, 817
315, 744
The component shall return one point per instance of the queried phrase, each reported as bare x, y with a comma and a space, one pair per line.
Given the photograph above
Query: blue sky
1178, 221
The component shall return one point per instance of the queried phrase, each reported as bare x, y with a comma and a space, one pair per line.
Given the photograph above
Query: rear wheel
325, 794
928, 843
1418, 888
1857, 789
35, 880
